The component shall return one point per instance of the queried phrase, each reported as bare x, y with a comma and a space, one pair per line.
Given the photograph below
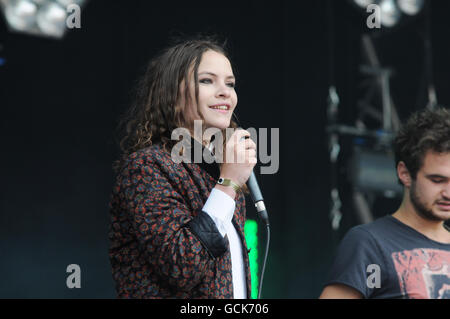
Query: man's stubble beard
420, 207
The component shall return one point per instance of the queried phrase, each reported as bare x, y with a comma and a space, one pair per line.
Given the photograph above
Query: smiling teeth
220, 107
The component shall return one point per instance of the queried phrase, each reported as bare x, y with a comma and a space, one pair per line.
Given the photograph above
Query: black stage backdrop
61, 101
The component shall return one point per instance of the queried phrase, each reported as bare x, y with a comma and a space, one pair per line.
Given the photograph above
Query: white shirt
220, 207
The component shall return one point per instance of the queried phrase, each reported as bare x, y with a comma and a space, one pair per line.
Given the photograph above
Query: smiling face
217, 98
430, 191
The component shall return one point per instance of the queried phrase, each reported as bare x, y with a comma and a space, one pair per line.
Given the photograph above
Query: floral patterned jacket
161, 243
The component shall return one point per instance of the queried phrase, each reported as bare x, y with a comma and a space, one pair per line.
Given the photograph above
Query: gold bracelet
228, 182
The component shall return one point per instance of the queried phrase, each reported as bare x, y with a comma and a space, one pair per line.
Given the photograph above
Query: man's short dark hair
426, 130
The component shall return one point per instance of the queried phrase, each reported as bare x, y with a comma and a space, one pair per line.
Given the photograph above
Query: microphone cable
261, 211
266, 253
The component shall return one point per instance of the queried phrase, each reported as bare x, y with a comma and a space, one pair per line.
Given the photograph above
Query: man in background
406, 254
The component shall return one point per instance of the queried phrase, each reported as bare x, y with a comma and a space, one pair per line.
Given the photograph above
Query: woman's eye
209, 81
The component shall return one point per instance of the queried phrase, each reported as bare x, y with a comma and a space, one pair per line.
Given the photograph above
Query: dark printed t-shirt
388, 259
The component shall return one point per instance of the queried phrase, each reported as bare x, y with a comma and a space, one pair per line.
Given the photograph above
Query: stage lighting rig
48, 18
392, 12
360, 149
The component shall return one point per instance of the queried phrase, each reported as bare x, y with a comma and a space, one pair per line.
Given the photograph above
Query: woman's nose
223, 90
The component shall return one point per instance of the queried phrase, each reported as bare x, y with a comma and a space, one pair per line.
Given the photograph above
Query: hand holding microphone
239, 158
239, 161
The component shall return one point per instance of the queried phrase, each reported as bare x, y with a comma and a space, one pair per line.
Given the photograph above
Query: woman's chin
219, 125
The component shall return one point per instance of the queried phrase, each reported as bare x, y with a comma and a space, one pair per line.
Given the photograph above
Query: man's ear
403, 174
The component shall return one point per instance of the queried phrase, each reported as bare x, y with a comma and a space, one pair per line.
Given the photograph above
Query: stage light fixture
364, 3
374, 171
21, 15
38, 17
392, 11
51, 19
390, 14
410, 7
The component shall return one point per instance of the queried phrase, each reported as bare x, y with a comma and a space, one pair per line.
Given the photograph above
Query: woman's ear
403, 174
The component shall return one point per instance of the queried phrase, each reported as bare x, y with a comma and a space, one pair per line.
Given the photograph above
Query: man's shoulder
378, 224
377, 229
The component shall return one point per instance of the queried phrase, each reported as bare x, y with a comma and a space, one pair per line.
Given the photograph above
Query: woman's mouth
222, 108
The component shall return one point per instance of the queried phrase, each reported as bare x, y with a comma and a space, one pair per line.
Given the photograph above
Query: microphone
255, 192
257, 197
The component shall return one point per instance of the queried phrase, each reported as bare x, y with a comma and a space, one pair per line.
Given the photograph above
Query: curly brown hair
426, 130
156, 110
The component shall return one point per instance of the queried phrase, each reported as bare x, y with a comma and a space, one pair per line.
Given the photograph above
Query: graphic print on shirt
423, 273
